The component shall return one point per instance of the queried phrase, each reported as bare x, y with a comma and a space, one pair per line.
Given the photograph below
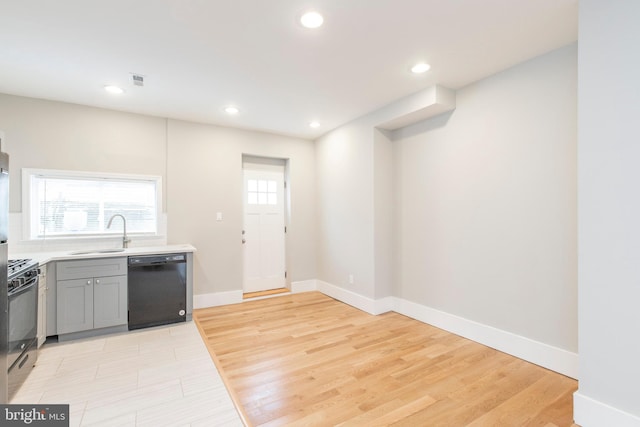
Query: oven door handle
25, 287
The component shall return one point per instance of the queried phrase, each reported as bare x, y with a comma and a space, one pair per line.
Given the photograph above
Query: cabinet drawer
91, 268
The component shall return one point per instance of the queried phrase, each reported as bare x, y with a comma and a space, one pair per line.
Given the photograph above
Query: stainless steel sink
97, 251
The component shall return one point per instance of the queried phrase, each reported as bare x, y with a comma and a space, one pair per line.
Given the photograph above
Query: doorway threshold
269, 292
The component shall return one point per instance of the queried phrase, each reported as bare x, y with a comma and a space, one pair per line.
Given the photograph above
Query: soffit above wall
421, 106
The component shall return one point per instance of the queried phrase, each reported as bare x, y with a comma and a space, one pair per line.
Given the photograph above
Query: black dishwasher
157, 290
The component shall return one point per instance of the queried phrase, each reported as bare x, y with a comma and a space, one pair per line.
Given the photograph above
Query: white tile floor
153, 377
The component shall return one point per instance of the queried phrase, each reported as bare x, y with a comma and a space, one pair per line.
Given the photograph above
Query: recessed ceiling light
311, 20
314, 124
231, 109
114, 89
420, 68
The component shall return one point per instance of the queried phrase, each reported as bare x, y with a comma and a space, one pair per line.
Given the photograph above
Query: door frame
251, 159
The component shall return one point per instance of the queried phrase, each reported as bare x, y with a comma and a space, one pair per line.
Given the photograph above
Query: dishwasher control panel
156, 259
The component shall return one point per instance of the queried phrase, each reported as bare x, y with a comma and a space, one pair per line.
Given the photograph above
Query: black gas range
22, 275
19, 271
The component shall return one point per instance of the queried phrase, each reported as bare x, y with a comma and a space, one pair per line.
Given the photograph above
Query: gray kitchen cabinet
109, 301
91, 294
75, 305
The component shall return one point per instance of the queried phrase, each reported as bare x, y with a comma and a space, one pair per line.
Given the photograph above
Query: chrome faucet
125, 240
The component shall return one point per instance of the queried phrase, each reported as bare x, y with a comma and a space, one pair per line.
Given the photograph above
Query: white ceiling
199, 55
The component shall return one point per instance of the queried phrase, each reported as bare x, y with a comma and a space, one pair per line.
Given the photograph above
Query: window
262, 192
68, 204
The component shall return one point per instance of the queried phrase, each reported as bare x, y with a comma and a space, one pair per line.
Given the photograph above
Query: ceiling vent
138, 80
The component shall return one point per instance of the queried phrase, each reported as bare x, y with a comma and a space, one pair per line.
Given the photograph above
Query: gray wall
355, 198
383, 214
609, 213
487, 214
205, 177
471, 212
54, 135
344, 170
201, 166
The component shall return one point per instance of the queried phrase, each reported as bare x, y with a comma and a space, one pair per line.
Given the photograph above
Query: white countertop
45, 257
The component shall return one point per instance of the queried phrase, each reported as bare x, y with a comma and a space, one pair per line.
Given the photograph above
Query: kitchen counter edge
44, 257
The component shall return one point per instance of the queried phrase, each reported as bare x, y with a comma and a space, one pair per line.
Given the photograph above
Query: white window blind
81, 204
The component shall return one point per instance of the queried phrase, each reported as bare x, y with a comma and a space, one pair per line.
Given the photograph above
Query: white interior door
264, 232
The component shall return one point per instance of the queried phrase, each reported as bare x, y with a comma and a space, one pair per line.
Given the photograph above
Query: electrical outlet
219, 216
351, 279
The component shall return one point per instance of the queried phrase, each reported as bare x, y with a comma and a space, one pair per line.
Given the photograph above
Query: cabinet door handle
97, 281
88, 282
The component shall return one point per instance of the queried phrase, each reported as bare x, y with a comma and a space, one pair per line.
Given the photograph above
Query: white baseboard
547, 356
588, 412
304, 286
384, 305
217, 298
356, 300
556, 359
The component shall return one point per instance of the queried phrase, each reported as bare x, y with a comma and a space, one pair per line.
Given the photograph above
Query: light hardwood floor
308, 360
